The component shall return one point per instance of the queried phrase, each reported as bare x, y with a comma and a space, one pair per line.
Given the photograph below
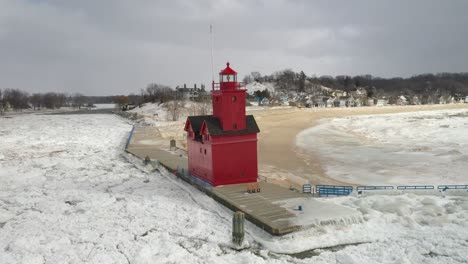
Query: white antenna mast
212, 47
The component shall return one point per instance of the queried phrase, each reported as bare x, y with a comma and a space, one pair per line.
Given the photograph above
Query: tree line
424, 85
16, 100
440, 84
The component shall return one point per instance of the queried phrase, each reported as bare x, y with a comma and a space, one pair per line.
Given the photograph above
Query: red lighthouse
222, 148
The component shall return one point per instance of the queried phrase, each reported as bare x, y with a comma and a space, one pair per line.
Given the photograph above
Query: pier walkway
274, 209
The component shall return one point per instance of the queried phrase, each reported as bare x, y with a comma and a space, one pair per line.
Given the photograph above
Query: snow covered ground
105, 106
392, 149
68, 194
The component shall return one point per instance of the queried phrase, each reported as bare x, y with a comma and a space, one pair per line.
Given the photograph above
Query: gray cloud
113, 47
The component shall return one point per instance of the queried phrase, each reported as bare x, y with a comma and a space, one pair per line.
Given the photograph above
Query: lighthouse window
205, 151
234, 98
234, 126
228, 78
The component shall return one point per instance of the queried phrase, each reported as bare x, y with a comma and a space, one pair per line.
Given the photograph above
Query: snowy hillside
155, 112
256, 86
69, 194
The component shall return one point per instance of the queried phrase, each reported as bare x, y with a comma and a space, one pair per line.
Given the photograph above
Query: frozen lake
428, 147
69, 194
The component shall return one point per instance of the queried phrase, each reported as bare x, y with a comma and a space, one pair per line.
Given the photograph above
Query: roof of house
215, 129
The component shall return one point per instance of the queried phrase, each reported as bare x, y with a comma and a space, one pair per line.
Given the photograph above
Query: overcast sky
119, 46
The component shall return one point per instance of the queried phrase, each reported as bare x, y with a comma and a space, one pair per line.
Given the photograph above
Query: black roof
214, 126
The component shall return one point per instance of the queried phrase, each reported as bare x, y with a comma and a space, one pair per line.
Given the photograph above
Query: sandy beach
281, 162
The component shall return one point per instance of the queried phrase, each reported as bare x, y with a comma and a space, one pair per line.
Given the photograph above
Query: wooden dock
265, 208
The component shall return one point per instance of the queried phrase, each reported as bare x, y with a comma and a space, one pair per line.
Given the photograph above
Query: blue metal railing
416, 187
452, 187
333, 190
307, 188
374, 188
130, 137
327, 190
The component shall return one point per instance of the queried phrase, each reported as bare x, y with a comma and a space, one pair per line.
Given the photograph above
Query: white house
350, 102
330, 102
318, 102
264, 101
416, 100
402, 100
382, 102
341, 102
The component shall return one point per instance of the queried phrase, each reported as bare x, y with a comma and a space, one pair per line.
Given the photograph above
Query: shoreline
281, 162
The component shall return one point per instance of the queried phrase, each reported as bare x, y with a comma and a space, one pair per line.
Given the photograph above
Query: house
339, 93
402, 100
358, 102
370, 102
264, 101
350, 102
190, 93
330, 102
319, 102
382, 102
466, 99
443, 100
341, 101
415, 100
222, 148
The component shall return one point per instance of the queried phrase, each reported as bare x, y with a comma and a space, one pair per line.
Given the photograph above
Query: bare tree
2, 105
204, 108
36, 101
17, 99
174, 108
78, 100
156, 92
49, 100
121, 100
275, 98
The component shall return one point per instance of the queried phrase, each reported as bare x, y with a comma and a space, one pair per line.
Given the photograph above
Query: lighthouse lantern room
222, 148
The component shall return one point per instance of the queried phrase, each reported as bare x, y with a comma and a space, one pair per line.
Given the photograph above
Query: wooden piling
238, 228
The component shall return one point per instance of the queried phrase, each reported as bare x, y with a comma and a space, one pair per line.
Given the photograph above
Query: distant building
330, 102
402, 100
339, 93
319, 102
382, 102
350, 102
264, 101
341, 102
415, 100
191, 93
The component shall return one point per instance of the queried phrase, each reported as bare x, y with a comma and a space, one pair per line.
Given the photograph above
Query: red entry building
222, 148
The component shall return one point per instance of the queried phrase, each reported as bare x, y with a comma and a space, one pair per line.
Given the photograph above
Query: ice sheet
406, 148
